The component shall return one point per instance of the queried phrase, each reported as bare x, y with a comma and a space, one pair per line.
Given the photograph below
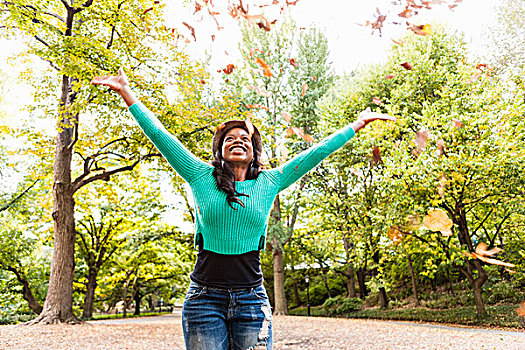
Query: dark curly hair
225, 177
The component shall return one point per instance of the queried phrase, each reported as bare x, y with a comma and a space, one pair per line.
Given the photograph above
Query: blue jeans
215, 319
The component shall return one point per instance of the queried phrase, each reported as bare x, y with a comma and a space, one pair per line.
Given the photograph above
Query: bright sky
350, 44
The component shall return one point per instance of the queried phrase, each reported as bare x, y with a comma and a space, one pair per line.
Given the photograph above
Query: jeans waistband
225, 289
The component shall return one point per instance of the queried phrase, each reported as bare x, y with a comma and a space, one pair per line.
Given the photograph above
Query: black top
228, 271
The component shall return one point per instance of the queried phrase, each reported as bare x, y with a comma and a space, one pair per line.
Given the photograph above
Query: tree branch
7, 206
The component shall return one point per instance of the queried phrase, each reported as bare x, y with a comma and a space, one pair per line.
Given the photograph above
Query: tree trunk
414, 283
58, 306
476, 284
137, 298
297, 300
362, 286
326, 284
350, 282
87, 313
383, 300
278, 280
26, 290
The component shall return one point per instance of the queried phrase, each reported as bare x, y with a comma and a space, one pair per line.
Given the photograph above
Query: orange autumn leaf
294, 63
300, 133
406, 65
376, 155
198, 7
424, 29
421, 139
481, 249
395, 234
261, 62
192, 30
287, 116
440, 145
407, 13
260, 91
267, 72
228, 70
398, 42
438, 220
257, 106
457, 123
305, 87
389, 76
377, 101
488, 260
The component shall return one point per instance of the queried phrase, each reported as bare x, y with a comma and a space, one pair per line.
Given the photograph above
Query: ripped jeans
226, 319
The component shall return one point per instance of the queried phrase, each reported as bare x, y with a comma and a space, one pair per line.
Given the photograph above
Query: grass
497, 316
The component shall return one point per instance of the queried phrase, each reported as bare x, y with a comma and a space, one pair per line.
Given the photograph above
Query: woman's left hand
367, 116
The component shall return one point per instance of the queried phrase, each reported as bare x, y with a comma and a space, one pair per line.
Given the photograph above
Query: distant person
226, 306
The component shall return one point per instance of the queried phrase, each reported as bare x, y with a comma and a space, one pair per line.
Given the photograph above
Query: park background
391, 226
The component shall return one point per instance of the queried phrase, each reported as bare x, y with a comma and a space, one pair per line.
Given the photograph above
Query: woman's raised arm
179, 157
299, 165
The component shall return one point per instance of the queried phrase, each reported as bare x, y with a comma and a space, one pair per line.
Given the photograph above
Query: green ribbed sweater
220, 228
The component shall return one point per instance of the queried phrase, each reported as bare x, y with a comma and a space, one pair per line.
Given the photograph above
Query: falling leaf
389, 76
407, 13
395, 234
305, 87
294, 63
267, 72
287, 116
398, 42
249, 125
260, 91
521, 310
300, 133
266, 68
406, 65
440, 145
488, 260
228, 70
438, 220
421, 139
213, 37
377, 101
147, 10
257, 106
198, 7
457, 123
376, 155
442, 185
424, 29
203, 81
192, 30
481, 249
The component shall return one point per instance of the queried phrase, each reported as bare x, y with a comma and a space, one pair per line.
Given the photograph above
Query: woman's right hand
117, 83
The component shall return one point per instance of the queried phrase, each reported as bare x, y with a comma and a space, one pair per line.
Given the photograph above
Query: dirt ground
290, 332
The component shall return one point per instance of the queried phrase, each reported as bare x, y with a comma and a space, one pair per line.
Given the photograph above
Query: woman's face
237, 146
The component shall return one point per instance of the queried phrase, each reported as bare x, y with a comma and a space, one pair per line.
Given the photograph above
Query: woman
226, 306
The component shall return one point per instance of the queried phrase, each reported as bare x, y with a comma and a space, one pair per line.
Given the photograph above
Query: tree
80, 41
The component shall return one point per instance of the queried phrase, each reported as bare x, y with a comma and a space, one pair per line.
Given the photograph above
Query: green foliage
341, 305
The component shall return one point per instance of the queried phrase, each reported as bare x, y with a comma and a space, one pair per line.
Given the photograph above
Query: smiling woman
226, 306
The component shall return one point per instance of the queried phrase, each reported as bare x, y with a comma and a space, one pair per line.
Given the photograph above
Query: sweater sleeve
298, 166
178, 156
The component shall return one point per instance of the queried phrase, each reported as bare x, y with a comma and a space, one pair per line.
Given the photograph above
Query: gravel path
165, 332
